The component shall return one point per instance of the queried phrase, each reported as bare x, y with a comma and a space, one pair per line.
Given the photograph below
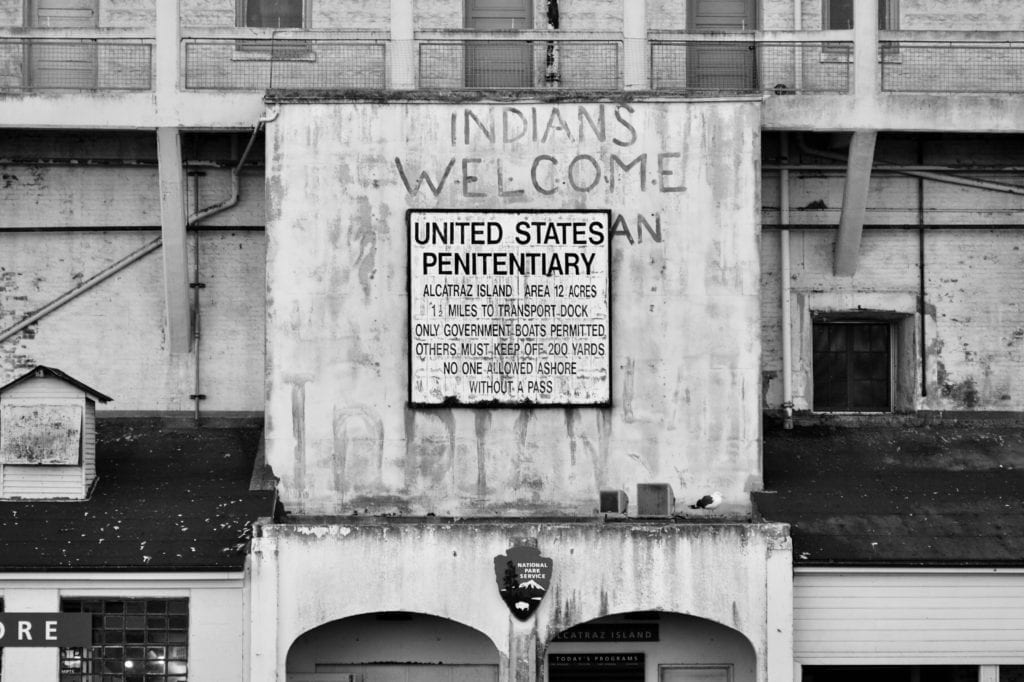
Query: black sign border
497, 404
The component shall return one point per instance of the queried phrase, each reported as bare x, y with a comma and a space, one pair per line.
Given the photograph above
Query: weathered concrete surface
684, 307
726, 573
114, 335
974, 321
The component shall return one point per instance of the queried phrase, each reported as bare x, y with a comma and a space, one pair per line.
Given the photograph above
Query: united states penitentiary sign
509, 307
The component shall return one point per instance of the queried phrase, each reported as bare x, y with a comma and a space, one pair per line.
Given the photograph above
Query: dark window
903, 673
1011, 673
852, 369
272, 13
838, 14
133, 640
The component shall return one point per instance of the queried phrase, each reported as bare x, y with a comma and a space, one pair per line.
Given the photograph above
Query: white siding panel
42, 482
908, 618
89, 444
45, 387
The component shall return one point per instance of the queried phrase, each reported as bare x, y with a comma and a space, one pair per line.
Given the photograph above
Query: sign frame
69, 629
452, 401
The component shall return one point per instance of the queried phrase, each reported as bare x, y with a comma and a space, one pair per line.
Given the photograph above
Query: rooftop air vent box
47, 436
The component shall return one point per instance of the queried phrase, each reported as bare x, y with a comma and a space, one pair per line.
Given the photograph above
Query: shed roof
947, 495
42, 370
168, 499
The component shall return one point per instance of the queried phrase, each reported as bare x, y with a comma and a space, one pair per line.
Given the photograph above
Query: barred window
272, 13
133, 640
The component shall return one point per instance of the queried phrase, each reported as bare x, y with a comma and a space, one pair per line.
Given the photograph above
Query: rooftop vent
47, 436
654, 499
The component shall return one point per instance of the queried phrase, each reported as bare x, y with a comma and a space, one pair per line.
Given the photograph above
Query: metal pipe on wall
787, 335
937, 177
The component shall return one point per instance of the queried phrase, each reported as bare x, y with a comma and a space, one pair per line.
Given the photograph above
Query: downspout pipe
232, 199
787, 331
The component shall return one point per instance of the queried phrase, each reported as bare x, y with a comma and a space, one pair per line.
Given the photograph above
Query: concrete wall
974, 323
216, 618
113, 335
737, 575
684, 309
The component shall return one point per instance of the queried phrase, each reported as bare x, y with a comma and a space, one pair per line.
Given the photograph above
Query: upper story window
852, 365
273, 13
837, 15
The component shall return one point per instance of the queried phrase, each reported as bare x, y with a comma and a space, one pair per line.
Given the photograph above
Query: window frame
888, 15
892, 369
307, 6
267, 49
87, 655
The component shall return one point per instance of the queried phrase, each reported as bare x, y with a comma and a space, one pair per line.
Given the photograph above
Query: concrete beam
172, 229
634, 34
403, 51
855, 201
865, 47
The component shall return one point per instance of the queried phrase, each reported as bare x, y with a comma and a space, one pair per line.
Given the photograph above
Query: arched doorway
394, 646
650, 646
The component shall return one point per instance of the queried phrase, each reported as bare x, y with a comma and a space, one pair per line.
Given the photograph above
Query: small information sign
609, 632
591, 667
45, 629
509, 307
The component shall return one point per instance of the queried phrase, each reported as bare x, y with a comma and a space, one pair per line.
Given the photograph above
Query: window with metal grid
852, 367
837, 15
133, 640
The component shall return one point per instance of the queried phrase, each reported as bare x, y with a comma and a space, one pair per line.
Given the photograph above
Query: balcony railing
317, 63
519, 59
963, 62
36, 63
749, 63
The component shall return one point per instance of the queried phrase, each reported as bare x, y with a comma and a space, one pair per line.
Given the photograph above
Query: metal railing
291, 63
952, 67
751, 66
37, 63
502, 62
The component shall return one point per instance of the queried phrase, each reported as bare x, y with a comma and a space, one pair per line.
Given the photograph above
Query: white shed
47, 436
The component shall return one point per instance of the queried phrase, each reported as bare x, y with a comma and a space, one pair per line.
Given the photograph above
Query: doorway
63, 64
721, 65
393, 646
497, 63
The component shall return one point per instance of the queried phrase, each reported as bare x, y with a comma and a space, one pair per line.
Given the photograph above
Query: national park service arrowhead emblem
523, 577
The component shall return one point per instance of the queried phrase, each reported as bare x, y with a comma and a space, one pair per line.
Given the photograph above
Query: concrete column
264, 663
522, 651
779, 665
865, 48
25, 663
403, 47
172, 229
855, 201
165, 51
634, 34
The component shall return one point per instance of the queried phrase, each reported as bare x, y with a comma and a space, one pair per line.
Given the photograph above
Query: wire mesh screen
568, 64
246, 64
730, 66
75, 64
952, 67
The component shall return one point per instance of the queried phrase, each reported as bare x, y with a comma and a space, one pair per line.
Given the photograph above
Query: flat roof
897, 495
168, 498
